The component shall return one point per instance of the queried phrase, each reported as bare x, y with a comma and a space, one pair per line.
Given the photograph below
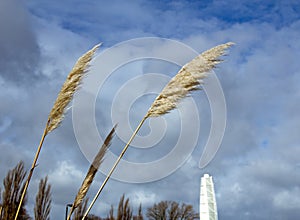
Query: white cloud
65, 180
287, 199
260, 80
142, 197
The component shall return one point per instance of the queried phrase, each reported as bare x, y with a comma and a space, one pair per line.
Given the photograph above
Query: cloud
255, 170
19, 51
63, 178
142, 197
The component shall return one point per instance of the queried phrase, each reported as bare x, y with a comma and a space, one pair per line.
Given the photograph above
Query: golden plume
57, 113
188, 79
68, 89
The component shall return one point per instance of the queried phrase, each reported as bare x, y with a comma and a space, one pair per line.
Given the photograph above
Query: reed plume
188, 79
43, 201
68, 89
57, 113
92, 172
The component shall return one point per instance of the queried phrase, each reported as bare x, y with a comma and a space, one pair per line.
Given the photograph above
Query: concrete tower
208, 205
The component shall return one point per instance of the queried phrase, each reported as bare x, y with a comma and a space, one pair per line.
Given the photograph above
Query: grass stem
31, 170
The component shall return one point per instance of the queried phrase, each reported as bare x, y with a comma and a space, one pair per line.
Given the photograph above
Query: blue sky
256, 170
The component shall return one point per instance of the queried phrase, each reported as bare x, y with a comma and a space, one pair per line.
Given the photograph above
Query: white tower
208, 205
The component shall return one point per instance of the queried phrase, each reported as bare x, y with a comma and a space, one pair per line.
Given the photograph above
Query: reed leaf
92, 172
188, 79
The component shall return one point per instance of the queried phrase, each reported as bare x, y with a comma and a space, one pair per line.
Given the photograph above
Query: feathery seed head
188, 79
68, 89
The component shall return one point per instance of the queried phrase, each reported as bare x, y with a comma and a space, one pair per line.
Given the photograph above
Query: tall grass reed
188, 79
57, 112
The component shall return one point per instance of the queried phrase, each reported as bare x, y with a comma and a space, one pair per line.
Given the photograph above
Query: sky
256, 170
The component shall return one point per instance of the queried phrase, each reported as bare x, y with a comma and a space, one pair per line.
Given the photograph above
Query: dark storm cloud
19, 51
